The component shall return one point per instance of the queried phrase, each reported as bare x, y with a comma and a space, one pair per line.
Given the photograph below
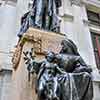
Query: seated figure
76, 84
69, 58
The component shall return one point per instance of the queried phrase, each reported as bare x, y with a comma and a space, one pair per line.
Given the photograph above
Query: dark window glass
96, 45
94, 18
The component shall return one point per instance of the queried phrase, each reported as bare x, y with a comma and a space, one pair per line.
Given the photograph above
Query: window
96, 45
93, 17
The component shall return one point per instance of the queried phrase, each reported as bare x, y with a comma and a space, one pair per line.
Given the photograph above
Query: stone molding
76, 2
68, 17
92, 2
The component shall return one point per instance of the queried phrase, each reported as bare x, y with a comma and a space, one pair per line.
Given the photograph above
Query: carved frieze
76, 2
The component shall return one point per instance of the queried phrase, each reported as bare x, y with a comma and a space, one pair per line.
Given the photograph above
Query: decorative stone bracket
41, 41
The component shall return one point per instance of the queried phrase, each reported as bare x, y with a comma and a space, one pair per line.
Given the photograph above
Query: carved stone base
43, 40
39, 40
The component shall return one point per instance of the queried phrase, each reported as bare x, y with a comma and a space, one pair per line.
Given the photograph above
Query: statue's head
50, 56
68, 47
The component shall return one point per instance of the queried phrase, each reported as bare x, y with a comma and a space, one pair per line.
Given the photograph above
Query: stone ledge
92, 2
43, 39
94, 28
5, 71
68, 17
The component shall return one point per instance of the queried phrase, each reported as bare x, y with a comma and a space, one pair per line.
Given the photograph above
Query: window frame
93, 21
96, 53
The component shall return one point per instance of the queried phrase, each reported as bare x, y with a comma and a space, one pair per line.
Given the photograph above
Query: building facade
80, 21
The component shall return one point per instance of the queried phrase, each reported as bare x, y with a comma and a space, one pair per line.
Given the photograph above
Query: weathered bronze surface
42, 15
62, 76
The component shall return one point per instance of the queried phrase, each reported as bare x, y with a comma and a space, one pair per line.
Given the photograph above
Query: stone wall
5, 84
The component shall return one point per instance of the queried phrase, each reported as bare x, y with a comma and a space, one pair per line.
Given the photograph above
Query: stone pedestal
39, 40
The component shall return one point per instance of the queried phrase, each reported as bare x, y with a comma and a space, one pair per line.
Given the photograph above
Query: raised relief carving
76, 2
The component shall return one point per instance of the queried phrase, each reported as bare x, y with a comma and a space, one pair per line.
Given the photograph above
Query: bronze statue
47, 72
63, 76
42, 15
76, 84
